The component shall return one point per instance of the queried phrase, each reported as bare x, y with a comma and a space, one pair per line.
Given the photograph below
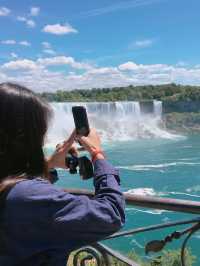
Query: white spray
114, 121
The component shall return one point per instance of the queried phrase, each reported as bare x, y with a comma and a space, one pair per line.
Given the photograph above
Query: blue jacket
40, 219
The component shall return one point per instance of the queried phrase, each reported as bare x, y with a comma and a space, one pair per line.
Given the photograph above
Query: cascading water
157, 108
114, 121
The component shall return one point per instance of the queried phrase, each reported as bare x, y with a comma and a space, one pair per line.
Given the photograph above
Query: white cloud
23, 19
14, 55
24, 64
34, 11
4, 11
59, 29
144, 43
9, 42
128, 66
58, 60
103, 71
39, 75
141, 43
29, 22
47, 48
25, 43
49, 51
14, 42
181, 64
46, 45
144, 69
63, 60
44, 63
118, 6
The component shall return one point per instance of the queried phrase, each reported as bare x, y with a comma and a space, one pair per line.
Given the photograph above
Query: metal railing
102, 254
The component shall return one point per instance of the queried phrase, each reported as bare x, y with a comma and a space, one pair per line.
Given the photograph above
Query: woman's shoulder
32, 189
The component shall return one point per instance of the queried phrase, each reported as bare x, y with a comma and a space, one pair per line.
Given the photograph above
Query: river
152, 162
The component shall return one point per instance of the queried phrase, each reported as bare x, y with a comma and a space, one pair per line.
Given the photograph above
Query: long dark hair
23, 125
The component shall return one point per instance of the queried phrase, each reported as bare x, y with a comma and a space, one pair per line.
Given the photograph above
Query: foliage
172, 258
181, 103
183, 122
166, 258
167, 92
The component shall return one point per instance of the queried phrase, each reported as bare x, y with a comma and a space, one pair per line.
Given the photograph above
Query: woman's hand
92, 143
57, 159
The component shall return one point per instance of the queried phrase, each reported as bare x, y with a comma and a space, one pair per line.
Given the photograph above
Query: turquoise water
167, 168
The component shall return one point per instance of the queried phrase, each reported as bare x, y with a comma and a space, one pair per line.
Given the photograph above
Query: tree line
168, 92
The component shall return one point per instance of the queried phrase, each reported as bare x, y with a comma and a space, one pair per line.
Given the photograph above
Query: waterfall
157, 107
114, 121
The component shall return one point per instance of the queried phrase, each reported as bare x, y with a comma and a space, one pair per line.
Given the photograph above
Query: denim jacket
42, 223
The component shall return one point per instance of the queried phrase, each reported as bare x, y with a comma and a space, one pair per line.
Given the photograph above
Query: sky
50, 45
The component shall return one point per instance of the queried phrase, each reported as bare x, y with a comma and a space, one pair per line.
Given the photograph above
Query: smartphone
81, 120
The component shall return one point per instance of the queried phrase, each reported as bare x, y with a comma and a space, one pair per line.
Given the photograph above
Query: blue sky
50, 45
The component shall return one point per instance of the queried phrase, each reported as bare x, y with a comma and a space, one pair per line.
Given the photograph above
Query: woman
39, 222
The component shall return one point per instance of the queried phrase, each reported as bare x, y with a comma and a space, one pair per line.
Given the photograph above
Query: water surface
158, 167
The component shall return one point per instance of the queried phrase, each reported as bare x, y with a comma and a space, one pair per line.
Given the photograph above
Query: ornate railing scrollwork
158, 245
89, 253
102, 254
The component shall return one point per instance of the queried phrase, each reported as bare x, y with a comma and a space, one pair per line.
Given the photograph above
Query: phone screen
81, 120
